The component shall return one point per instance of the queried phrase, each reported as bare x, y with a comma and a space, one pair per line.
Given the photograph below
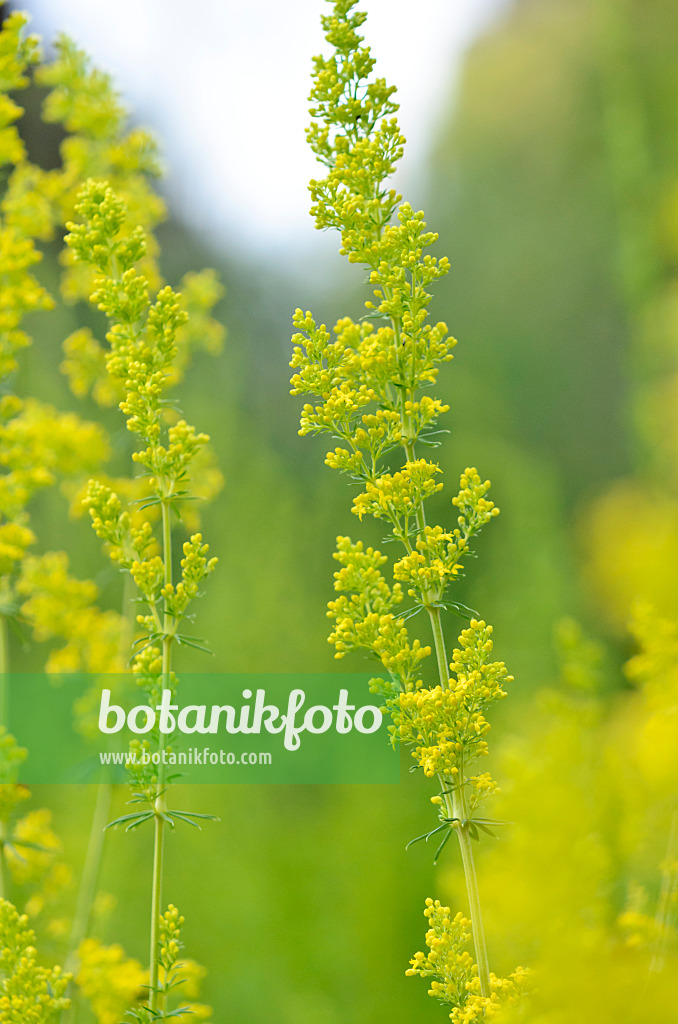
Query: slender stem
97, 834
156, 903
480, 945
90, 871
669, 887
439, 644
156, 998
455, 806
88, 886
455, 803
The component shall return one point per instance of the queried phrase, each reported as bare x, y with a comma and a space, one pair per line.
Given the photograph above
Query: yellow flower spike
367, 386
143, 359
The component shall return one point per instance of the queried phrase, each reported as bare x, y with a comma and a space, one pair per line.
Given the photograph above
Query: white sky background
224, 84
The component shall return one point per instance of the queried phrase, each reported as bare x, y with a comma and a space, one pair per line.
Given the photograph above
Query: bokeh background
544, 149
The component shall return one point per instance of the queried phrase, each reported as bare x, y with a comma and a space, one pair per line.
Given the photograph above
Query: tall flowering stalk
143, 345
99, 143
39, 447
370, 380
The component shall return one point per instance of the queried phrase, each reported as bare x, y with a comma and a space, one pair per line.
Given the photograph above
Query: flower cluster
21, 293
38, 445
59, 605
434, 560
29, 993
29, 848
178, 975
109, 980
177, 978
447, 726
12, 757
12, 795
453, 973
366, 620
171, 923
83, 102
33, 847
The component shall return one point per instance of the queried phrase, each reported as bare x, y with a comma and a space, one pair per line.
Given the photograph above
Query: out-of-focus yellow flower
30, 864
111, 981
29, 993
631, 537
587, 872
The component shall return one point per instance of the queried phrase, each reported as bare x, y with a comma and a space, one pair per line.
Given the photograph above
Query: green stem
455, 807
88, 887
480, 945
97, 834
156, 901
667, 895
156, 998
455, 803
90, 871
439, 644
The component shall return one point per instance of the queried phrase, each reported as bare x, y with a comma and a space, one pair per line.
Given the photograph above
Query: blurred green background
553, 183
